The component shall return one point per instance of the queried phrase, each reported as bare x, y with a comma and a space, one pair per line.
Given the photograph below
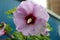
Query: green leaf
31, 38
39, 37
19, 35
11, 11
48, 26
8, 39
1, 25
8, 29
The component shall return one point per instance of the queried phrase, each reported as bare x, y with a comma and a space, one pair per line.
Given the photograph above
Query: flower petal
19, 20
19, 23
2, 32
26, 30
46, 32
40, 12
27, 6
19, 15
34, 29
39, 26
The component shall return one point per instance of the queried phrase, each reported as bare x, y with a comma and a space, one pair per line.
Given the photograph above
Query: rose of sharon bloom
2, 26
30, 18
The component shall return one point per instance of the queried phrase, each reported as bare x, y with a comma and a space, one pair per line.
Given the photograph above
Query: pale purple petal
19, 20
35, 29
27, 29
2, 32
19, 23
40, 26
19, 15
40, 12
27, 6
46, 32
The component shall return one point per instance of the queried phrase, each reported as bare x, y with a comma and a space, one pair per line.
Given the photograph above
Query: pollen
29, 20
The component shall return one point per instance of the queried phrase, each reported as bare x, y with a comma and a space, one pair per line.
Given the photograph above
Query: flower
46, 33
2, 26
30, 18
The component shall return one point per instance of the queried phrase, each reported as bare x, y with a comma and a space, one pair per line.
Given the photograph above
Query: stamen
29, 20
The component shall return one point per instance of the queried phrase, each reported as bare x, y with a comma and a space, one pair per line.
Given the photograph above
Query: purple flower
2, 26
30, 18
46, 33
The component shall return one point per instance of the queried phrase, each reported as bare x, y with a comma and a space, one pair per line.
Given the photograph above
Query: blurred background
54, 5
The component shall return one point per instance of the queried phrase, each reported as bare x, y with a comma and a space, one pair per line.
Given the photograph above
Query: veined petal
40, 12
19, 23
27, 6
2, 32
19, 15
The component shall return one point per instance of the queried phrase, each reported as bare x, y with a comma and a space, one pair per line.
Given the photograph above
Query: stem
9, 35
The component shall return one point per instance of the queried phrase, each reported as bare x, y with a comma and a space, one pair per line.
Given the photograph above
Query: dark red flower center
30, 19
